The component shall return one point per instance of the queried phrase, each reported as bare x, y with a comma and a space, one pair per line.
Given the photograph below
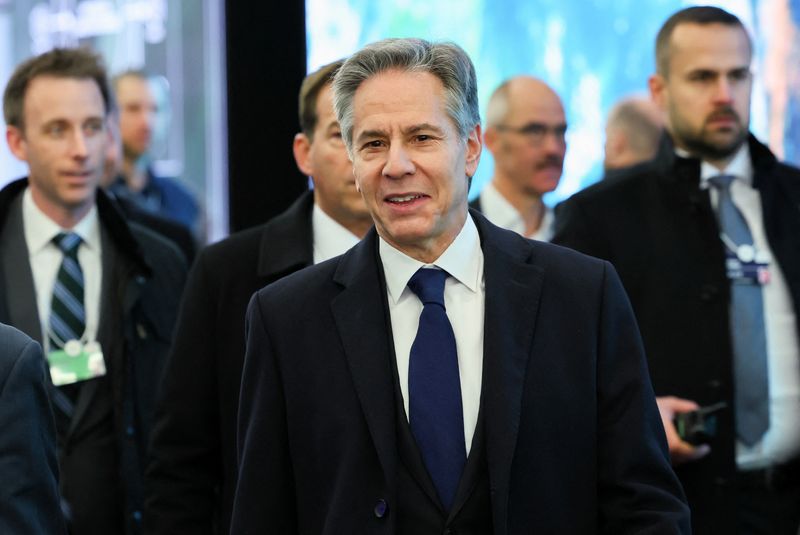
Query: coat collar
676, 168
110, 218
290, 233
513, 281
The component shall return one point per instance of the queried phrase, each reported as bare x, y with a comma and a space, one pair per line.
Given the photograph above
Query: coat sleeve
638, 491
184, 468
265, 493
29, 499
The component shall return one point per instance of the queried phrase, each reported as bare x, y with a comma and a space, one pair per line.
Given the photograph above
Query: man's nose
723, 91
79, 145
398, 162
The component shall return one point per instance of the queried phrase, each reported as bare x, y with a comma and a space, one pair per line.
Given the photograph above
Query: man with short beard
525, 129
705, 240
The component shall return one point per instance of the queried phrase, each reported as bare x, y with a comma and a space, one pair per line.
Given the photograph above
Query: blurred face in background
137, 115
529, 145
63, 142
323, 157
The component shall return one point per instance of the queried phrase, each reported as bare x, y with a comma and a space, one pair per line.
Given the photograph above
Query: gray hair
447, 61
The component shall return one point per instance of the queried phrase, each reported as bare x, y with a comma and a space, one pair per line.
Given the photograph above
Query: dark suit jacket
174, 231
143, 276
29, 500
192, 473
574, 443
658, 229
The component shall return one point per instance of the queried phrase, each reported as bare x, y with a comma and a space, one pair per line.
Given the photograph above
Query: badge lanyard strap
61, 343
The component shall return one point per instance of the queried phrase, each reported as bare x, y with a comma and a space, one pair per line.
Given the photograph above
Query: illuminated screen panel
592, 53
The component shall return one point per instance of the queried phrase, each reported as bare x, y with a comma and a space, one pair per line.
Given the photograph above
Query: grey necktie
747, 328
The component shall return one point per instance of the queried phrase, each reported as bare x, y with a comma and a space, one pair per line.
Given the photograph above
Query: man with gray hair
427, 381
525, 132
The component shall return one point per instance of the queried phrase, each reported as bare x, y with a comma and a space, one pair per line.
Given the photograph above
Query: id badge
76, 362
746, 268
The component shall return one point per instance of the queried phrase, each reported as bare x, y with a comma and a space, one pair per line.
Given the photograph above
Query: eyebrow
413, 129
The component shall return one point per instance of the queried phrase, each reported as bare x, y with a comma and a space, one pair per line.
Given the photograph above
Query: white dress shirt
330, 237
45, 259
502, 213
782, 440
464, 297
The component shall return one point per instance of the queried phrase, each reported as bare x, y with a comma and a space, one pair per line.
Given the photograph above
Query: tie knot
722, 182
68, 242
428, 284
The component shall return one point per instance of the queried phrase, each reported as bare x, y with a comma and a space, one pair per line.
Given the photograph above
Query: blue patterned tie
67, 310
747, 329
435, 413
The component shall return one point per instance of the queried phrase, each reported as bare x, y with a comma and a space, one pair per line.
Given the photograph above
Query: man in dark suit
101, 296
29, 501
510, 397
192, 474
705, 239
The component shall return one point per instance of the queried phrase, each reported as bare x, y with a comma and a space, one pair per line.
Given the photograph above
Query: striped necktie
67, 310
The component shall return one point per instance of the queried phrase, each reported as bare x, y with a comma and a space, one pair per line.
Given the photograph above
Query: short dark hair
79, 63
309, 91
691, 15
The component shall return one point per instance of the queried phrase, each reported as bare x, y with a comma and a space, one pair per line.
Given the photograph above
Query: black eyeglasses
536, 132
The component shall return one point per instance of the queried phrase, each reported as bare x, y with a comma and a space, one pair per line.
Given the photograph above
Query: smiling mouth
400, 199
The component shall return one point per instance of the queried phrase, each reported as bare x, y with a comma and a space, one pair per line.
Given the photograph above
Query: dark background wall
266, 62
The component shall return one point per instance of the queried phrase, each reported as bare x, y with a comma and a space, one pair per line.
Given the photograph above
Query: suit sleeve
184, 467
265, 494
638, 491
29, 499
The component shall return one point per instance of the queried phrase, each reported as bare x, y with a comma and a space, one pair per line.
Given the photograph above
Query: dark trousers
769, 503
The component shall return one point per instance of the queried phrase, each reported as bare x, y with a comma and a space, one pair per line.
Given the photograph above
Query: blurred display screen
591, 52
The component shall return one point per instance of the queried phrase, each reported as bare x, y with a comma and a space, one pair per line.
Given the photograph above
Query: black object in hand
700, 426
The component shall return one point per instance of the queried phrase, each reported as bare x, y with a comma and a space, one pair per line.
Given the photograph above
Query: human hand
679, 450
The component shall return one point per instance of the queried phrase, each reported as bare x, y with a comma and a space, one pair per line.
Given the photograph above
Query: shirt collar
740, 166
331, 238
463, 260
40, 229
503, 213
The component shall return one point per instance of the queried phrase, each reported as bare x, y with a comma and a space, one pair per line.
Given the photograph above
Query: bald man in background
633, 130
525, 132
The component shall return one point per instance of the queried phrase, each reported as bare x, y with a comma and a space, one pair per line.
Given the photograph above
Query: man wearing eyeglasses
525, 128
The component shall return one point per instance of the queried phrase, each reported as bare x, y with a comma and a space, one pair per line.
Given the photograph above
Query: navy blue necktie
747, 328
434, 388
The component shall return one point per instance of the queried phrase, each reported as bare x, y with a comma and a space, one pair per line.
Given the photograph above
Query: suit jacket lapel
513, 288
291, 234
360, 313
19, 290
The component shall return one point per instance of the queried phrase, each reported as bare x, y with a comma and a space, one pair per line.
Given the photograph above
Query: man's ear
16, 142
473, 152
490, 139
658, 90
302, 149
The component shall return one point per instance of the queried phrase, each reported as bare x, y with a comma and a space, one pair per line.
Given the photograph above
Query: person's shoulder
305, 288
13, 344
171, 185
244, 243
